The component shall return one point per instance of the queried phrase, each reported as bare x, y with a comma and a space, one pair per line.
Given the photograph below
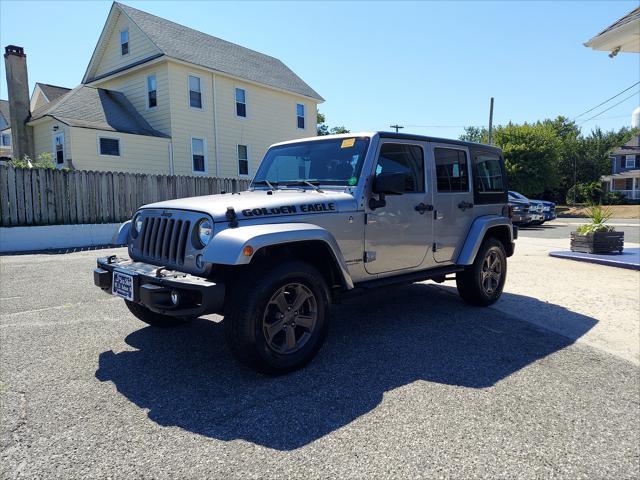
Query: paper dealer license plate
122, 285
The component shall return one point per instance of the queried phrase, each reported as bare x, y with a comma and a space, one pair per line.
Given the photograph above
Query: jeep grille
164, 239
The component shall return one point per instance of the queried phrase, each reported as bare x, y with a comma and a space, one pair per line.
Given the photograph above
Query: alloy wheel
290, 318
491, 272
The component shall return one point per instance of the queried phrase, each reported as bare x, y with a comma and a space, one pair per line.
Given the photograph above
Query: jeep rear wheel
153, 318
482, 282
277, 322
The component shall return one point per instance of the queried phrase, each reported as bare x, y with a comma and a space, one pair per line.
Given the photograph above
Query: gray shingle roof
632, 147
97, 108
53, 92
192, 46
4, 112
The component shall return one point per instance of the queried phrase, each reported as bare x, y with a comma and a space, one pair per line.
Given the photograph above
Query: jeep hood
261, 203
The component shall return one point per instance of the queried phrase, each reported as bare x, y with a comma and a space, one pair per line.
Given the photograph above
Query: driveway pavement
411, 383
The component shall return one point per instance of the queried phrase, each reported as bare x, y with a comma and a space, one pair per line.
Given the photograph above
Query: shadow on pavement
187, 378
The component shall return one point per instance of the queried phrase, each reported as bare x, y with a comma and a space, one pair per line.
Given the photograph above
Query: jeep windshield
335, 161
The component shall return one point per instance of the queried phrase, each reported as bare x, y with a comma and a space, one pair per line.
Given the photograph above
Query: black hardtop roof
425, 138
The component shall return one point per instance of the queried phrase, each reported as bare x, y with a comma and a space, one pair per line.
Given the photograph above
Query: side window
152, 91
489, 173
109, 146
243, 160
406, 159
241, 102
198, 155
195, 92
452, 172
124, 41
300, 115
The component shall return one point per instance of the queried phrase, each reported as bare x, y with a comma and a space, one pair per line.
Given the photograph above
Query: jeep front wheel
277, 321
482, 282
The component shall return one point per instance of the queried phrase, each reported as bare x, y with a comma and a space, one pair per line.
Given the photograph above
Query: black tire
253, 317
478, 284
153, 318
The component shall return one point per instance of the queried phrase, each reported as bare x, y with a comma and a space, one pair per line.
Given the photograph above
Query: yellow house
158, 97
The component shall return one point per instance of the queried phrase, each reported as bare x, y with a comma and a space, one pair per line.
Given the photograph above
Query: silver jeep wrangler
324, 218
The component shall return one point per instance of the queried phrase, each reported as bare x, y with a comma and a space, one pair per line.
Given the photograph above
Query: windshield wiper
264, 182
313, 185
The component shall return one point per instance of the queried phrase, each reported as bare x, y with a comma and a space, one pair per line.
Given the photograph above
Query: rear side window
489, 173
406, 159
489, 178
452, 172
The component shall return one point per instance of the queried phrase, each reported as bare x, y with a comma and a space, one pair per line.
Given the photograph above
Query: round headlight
205, 231
136, 225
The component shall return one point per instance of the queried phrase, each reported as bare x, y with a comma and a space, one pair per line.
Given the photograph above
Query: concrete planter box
598, 242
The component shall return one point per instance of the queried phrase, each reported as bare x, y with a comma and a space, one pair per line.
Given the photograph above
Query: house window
124, 41
109, 146
243, 160
241, 102
152, 91
452, 173
630, 161
198, 155
58, 148
6, 139
195, 92
300, 115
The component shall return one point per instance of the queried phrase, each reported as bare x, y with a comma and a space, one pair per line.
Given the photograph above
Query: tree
323, 128
475, 134
531, 153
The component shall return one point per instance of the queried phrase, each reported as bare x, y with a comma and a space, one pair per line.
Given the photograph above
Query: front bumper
550, 216
519, 217
152, 287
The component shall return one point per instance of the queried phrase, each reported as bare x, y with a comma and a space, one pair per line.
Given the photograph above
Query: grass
617, 211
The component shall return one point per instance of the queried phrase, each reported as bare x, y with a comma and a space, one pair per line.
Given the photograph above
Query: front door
398, 235
453, 200
58, 148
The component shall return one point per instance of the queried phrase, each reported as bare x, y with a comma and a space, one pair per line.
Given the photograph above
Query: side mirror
389, 183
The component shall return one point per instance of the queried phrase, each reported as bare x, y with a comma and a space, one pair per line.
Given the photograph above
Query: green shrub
585, 193
44, 160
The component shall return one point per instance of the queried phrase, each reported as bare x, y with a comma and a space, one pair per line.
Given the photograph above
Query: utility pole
491, 122
397, 127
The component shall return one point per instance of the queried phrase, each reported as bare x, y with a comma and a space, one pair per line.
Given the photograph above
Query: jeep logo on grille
166, 214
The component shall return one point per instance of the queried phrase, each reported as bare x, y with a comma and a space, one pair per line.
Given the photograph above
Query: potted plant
597, 237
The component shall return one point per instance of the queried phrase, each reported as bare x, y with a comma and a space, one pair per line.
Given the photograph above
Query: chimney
15, 62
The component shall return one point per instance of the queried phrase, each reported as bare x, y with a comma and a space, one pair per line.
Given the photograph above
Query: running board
433, 273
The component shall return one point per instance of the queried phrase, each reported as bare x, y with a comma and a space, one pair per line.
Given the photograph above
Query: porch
626, 183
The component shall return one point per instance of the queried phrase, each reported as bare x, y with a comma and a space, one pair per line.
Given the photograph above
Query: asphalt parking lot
411, 383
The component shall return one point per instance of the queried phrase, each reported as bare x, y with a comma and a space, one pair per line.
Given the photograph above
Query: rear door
452, 199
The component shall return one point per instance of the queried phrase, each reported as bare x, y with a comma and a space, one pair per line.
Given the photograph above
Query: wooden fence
49, 197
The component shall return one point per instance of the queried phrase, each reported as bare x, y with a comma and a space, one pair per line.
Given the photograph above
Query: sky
429, 66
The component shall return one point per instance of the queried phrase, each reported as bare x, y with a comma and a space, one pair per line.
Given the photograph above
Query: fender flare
226, 247
477, 232
121, 236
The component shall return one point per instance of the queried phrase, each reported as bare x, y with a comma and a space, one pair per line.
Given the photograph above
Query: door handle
464, 205
421, 208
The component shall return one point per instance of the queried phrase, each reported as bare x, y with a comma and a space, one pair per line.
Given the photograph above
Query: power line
607, 100
607, 109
